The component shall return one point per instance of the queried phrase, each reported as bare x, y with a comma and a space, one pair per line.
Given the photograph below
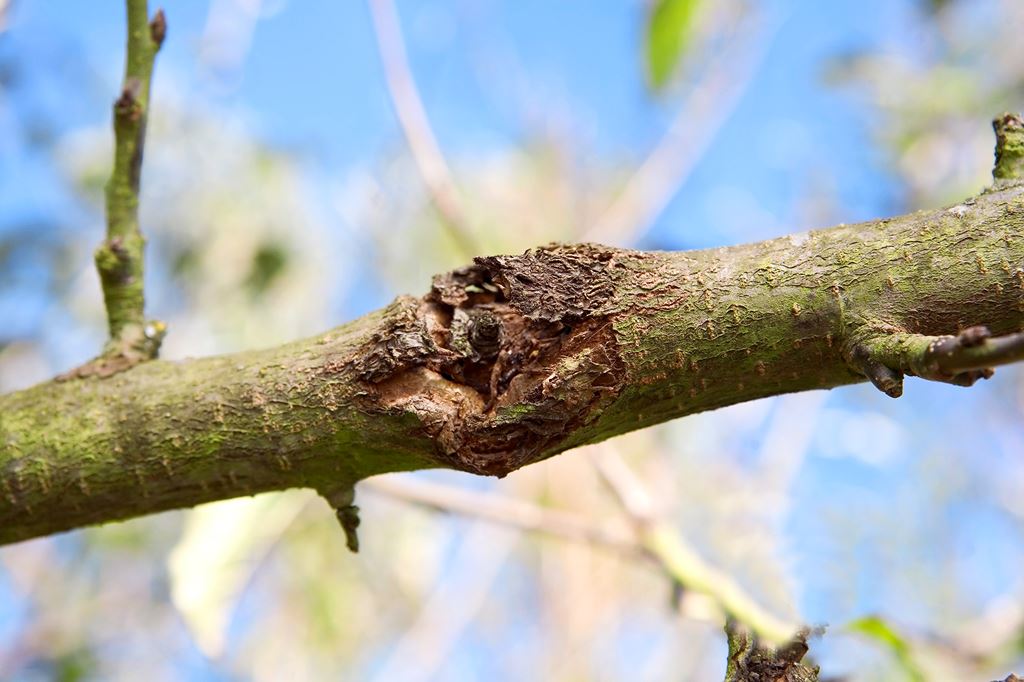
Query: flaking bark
592, 342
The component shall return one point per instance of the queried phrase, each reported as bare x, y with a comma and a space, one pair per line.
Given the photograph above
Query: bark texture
514, 359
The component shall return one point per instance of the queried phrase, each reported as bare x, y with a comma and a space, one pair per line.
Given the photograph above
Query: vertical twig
119, 258
416, 126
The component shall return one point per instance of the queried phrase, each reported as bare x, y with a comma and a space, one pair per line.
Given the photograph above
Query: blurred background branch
416, 126
706, 106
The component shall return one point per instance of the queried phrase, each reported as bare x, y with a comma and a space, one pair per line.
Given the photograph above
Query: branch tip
887, 380
342, 501
348, 517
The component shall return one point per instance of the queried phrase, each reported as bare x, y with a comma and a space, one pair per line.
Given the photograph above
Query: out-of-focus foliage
877, 629
935, 100
668, 29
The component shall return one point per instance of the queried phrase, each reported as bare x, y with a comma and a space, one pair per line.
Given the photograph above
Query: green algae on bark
593, 341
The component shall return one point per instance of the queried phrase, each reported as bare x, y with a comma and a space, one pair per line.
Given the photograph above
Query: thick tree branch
514, 359
119, 258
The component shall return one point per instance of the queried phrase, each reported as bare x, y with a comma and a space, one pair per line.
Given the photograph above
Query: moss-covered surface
594, 342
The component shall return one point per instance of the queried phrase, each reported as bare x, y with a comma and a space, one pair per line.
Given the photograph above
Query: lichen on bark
580, 343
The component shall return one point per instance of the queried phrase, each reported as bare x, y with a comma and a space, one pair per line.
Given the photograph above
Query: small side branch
503, 511
119, 259
961, 360
343, 502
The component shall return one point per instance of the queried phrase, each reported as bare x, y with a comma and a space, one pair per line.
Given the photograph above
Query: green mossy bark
622, 339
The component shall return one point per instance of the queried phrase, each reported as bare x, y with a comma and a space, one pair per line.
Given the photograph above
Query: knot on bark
502, 360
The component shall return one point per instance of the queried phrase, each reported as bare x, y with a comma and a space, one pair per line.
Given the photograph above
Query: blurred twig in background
651, 538
504, 511
681, 562
416, 126
706, 108
450, 609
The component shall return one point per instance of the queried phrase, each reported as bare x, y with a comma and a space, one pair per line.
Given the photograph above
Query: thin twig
119, 258
416, 126
707, 107
656, 540
501, 510
677, 559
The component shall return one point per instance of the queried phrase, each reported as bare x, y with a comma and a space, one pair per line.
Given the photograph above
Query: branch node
973, 336
886, 379
113, 261
134, 345
1009, 129
127, 106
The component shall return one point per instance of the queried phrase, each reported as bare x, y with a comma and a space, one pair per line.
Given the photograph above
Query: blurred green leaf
221, 546
668, 30
74, 666
268, 262
879, 631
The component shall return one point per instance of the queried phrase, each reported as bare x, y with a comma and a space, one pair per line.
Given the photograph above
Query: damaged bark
501, 360
516, 358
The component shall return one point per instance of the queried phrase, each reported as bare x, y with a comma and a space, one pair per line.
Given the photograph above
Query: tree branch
119, 258
750, 660
512, 360
659, 543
